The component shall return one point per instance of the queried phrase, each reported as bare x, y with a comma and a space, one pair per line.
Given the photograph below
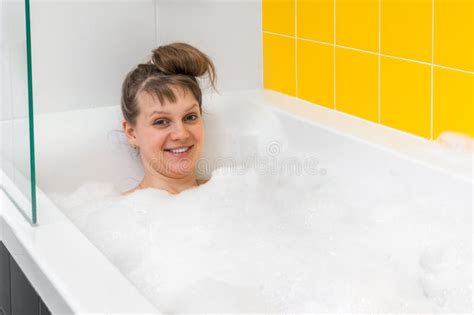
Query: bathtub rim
409, 147
48, 261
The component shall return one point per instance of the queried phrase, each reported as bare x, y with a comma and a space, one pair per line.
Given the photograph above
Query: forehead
149, 102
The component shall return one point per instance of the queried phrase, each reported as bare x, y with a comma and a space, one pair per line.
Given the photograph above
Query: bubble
279, 243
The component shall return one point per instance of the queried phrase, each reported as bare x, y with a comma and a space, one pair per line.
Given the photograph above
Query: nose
179, 132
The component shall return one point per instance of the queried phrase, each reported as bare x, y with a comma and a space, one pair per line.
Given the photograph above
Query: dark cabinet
17, 295
43, 309
5, 307
24, 299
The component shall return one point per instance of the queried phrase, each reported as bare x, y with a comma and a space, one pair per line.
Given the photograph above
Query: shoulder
202, 181
130, 191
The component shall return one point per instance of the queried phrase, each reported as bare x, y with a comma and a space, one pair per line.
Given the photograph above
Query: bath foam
245, 242
240, 134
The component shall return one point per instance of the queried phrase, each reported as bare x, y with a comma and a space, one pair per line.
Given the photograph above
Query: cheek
198, 133
153, 140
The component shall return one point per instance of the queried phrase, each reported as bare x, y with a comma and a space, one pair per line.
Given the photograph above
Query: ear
129, 131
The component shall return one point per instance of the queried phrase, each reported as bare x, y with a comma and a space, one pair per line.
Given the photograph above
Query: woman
162, 110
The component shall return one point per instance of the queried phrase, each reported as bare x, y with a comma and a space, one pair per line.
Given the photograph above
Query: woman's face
170, 135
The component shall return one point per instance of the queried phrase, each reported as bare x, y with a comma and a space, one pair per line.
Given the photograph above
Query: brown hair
176, 64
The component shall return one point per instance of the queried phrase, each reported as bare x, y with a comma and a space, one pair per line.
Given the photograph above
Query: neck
171, 185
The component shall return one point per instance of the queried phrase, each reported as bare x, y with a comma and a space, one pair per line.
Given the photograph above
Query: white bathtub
73, 276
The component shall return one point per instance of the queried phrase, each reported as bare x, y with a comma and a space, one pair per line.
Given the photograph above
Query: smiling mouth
180, 150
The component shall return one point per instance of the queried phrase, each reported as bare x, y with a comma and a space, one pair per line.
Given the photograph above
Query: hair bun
182, 58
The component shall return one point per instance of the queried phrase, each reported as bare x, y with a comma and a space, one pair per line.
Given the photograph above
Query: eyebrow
164, 112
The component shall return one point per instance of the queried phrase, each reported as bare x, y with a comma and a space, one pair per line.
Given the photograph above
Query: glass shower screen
16, 111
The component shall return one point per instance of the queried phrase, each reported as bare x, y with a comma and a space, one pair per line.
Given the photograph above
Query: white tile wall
82, 50
229, 31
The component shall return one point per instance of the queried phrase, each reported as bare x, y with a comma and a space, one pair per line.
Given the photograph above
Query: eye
161, 122
191, 117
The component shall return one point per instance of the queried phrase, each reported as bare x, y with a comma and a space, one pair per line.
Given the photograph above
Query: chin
180, 172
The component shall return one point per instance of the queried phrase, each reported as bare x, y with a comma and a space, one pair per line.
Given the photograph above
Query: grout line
334, 54
357, 49
407, 59
432, 71
315, 41
296, 48
282, 35
454, 69
378, 62
375, 53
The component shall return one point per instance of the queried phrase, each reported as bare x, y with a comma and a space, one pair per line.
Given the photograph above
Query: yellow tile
453, 102
316, 73
406, 28
454, 33
357, 23
316, 20
405, 101
357, 83
279, 63
278, 16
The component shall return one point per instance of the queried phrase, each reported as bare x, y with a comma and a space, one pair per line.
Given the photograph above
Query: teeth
181, 150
